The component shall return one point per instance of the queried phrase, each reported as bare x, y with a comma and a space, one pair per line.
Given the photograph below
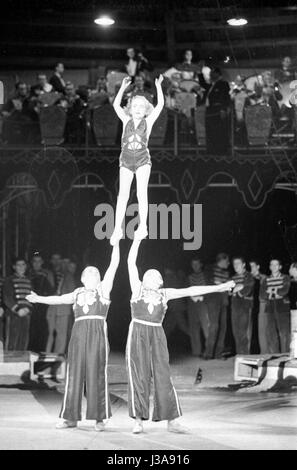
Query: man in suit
57, 80
217, 110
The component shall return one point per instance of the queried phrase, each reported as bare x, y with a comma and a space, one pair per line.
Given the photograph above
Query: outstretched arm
132, 268
160, 102
118, 99
197, 290
65, 299
107, 282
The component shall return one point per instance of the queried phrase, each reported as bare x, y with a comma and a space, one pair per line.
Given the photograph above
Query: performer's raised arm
118, 99
65, 299
135, 282
153, 116
198, 290
107, 282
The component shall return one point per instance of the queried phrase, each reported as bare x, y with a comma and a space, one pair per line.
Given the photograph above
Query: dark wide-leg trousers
147, 357
242, 324
87, 366
217, 314
17, 332
278, 328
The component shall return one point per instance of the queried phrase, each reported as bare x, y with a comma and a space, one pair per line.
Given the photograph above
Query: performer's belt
90, 317
143, 322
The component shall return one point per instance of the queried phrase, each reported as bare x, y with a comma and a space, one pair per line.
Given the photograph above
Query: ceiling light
104, 21
237, 21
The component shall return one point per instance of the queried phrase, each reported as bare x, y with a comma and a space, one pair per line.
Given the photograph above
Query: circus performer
88, 348
138, 119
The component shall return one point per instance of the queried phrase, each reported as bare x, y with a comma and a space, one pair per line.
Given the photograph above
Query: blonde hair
152, 275
90, 269
149, 107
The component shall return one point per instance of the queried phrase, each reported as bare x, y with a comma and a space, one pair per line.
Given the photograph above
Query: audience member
241, 306
57, 80
198, 316
18, 310
274, 290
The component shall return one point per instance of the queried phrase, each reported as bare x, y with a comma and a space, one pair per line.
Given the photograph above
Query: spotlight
237, 21
104, 21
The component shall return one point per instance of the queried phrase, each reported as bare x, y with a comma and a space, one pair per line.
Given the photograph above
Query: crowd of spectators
38, 328
256, 317
188, 86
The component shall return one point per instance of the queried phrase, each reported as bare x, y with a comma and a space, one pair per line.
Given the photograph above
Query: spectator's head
37, 262
152, 279
169, 268
254, 267
222, 260
59, 68
275, 266
139, 82
65, 264
215, 74
293, 270
72, 266
238, 264
267, 78
196, 264
239, 81
21, 89
169, 271
56, 261
131, 53
188, 56
42, 79
101, 84
286, 62
20, 266
139, 107
90, 277
69, 89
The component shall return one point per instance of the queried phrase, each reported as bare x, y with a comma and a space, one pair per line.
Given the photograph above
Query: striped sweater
15, 289
247, 280
217, 275
280, 286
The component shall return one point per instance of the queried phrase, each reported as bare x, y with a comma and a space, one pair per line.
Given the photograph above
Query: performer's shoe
141, 233
66, 424
99, 426
116, 237
173, 426
138, 428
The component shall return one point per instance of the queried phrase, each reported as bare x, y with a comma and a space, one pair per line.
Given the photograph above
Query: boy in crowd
18, 310
242, 303
274, 290
198, 311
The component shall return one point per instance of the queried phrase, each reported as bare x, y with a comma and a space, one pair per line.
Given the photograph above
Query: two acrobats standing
146, 350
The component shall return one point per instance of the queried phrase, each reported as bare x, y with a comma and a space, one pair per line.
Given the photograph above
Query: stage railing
173, 130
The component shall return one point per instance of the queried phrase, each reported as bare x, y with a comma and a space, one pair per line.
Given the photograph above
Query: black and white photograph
148, 228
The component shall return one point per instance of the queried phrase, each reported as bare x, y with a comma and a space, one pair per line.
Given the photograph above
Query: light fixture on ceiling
237, 21
104, 21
